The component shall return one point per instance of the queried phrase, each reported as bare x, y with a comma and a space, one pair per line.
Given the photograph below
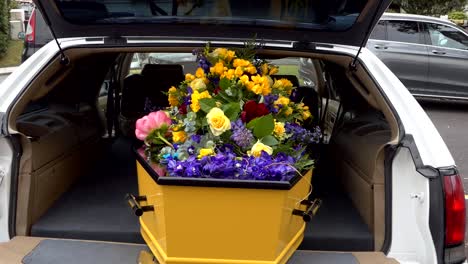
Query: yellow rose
198, 84
189, 77
200, 73
279, 130
205, 152
195, 105
179, 136
218, 122
258, 147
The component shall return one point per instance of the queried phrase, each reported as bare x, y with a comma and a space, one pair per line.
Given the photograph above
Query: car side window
380, 31
404, 31
447, 37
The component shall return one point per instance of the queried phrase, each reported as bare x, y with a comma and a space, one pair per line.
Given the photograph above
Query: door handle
380, 47
438, 52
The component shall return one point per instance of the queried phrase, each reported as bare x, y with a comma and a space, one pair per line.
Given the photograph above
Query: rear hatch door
323, 21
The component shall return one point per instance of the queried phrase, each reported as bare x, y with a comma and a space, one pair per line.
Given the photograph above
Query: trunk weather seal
425, 170
15, 165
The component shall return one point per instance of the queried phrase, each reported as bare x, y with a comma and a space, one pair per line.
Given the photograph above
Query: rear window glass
300, 70
334, 15
379, 32
404, 31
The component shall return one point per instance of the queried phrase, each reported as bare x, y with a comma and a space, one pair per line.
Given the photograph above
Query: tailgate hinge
63, 58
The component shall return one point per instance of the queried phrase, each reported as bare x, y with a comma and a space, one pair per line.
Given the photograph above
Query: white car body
411, 240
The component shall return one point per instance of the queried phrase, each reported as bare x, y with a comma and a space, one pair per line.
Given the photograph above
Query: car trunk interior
73, 176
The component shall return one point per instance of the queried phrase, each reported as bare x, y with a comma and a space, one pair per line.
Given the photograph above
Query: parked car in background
429, 55
37, 34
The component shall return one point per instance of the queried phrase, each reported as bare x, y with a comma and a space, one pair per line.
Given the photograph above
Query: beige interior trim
15, 250
373, 258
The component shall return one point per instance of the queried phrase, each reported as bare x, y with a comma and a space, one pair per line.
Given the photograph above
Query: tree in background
430, 7
4, 26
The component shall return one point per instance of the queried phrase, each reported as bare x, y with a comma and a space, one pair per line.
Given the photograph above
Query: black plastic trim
15, 165
211, 182
390, 153
437, 216
425, 170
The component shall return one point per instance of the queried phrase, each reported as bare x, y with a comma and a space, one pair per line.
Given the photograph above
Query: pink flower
150, 122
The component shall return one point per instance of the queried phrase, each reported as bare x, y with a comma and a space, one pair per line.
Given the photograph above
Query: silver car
429, 55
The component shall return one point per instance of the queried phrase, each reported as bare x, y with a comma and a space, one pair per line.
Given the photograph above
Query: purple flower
241, 135
269, 101
196, 138
226, 165
302, 135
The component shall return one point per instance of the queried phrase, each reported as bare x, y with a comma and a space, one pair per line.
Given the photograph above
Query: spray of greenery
4, 26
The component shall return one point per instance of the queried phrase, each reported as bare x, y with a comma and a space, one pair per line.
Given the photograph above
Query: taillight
454, 211
31, 30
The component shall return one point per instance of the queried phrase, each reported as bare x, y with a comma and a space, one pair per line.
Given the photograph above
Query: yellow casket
193, 220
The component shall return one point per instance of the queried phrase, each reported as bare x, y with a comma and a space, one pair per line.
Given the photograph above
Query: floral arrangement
232, 119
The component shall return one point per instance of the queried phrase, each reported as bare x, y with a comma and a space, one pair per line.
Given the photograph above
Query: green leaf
206, 104
224, 83
270, 141
262, 126
231, 110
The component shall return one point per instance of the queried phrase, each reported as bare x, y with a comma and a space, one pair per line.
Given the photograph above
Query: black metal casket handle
133, 202
312, 207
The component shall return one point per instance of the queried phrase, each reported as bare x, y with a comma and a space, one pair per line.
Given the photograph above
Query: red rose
183, 109
217, 90
253, 110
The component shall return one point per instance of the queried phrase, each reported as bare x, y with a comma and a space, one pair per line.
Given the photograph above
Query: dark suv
37, 34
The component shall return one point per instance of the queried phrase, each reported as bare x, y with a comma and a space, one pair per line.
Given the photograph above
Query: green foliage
270, 141
231, 110
4, 27
249, 50
262, 126
457, 15
206, 104
13, 5
430, 7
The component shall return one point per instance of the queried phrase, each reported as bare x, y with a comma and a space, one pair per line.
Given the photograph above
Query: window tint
447, 37
403, 31
300, 13
379, 31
